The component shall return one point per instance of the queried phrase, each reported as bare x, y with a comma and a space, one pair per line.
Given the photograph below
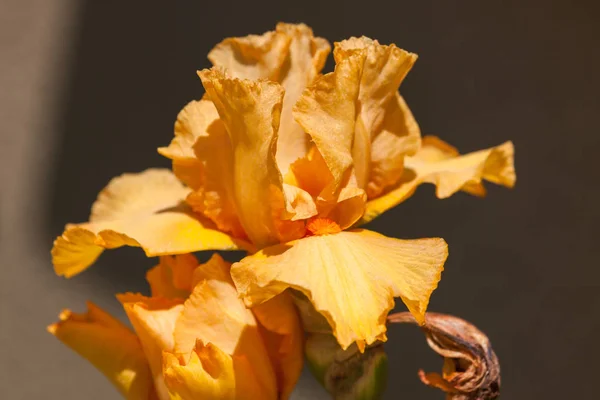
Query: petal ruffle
143, 210
250, 111
291, 56
110, 346
345, 111
350, 277
439, 163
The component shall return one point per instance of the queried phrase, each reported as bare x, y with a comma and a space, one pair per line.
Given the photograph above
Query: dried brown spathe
471, 370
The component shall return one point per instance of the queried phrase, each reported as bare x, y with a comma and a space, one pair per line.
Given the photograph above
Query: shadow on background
522, 262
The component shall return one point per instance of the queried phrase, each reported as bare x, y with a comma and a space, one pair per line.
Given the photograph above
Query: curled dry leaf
471, 370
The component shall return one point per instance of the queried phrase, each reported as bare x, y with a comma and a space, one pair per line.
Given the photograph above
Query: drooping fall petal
111, 347
214, 314
250, 111
439, 163
143, 210
291, 56
350, 277
153, 319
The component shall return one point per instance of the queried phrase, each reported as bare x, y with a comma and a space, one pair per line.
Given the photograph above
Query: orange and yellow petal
440, 164
110, 346
197, 119
216, 198
327, 112
153, 319
283, 337
383, 70
250, 111
143, 210
344, 112
214, 314
305, 60
207, 374
350, 277
399, 136
292, 56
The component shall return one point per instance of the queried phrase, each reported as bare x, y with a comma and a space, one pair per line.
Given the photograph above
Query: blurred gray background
89, 89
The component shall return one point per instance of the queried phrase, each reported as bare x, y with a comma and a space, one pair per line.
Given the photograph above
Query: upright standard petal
345, 111
291, 56
252, 56
197, 119
350, 277
306, 58
327, 112
382, 72
110, 346
214, 314
399, 136
250, 111
439, 163
144, 210
216, 199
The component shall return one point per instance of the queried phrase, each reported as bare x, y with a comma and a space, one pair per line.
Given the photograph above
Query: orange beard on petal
322, 226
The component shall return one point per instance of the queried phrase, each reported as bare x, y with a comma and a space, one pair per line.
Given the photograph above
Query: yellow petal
290, 55
306, 57
197, 119
310, 173
345, 111
172, 277
252, 56
215, 314
217, 194
138, 210
110, 346
299, 203
384, 69
250, 111
154, 322
350, 277
211, 374
208, 374
439, 163
399, 136
327, 112
283, 338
